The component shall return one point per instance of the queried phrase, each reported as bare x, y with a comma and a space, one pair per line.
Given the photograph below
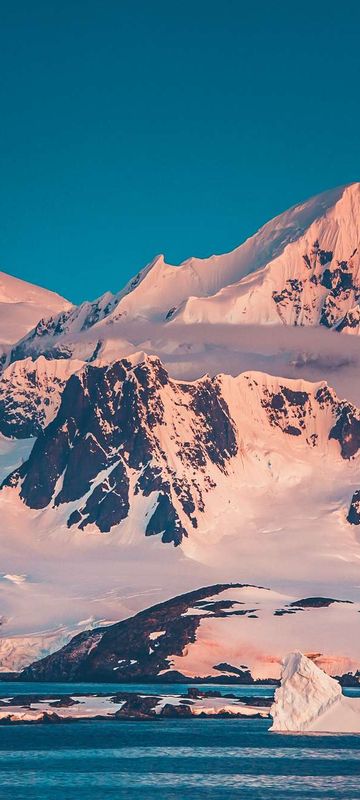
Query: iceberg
310, 700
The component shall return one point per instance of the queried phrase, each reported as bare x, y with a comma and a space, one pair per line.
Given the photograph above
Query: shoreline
129, 706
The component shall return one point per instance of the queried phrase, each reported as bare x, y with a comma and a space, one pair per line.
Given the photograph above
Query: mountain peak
197, 289
22, 304
301, 269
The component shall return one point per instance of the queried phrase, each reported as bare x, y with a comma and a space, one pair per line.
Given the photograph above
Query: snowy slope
315, 279
22, 305
299, 273
252, 477
302, 268
232, 631
309, 700
30, 393
127, 435
165, 287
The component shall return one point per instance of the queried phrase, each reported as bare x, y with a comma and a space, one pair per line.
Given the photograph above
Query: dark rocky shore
35, 709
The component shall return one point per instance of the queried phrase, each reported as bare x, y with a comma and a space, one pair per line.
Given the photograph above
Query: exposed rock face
304, 268
354, 510
316, 602
350, 323
299, 412
208, 465
50, 335
317, 288
128, 431
135, 649
289, 410
200, 635
169, 710
47, 335
124, 422
324, 293
30, 394
347, 430
37, 709
307, 603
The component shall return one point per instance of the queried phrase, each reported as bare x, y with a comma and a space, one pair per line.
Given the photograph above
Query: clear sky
134, 128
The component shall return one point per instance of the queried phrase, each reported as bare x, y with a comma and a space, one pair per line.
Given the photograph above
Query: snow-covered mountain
233, 631
312, 278
114, 444
250, 476
302, 268
30, 393
22, 305
128, 440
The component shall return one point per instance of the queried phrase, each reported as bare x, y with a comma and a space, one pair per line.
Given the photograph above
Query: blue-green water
199, 759
175, 760
10, 688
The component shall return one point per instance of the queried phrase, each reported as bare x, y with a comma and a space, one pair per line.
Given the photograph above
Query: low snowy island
310, 700
129, 706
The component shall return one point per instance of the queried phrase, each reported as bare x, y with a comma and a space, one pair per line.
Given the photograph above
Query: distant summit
300, 269
21, 306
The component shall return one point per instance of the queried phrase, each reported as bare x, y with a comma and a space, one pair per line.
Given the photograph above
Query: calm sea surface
10, 688
172, 759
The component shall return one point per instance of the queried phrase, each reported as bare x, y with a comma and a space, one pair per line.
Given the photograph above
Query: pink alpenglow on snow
22, 305
152, 478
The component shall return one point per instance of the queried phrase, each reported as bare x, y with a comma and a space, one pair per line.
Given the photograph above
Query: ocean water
175, 760
215, 759
10, 688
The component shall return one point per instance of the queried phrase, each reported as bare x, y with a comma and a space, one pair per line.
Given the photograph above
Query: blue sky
130, 129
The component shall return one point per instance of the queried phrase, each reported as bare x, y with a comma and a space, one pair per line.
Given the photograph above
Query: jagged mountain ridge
314, 280
129, 430
302, 268
253, 473
30, 394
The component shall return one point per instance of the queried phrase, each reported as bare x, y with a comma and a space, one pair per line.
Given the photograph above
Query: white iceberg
310, 700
